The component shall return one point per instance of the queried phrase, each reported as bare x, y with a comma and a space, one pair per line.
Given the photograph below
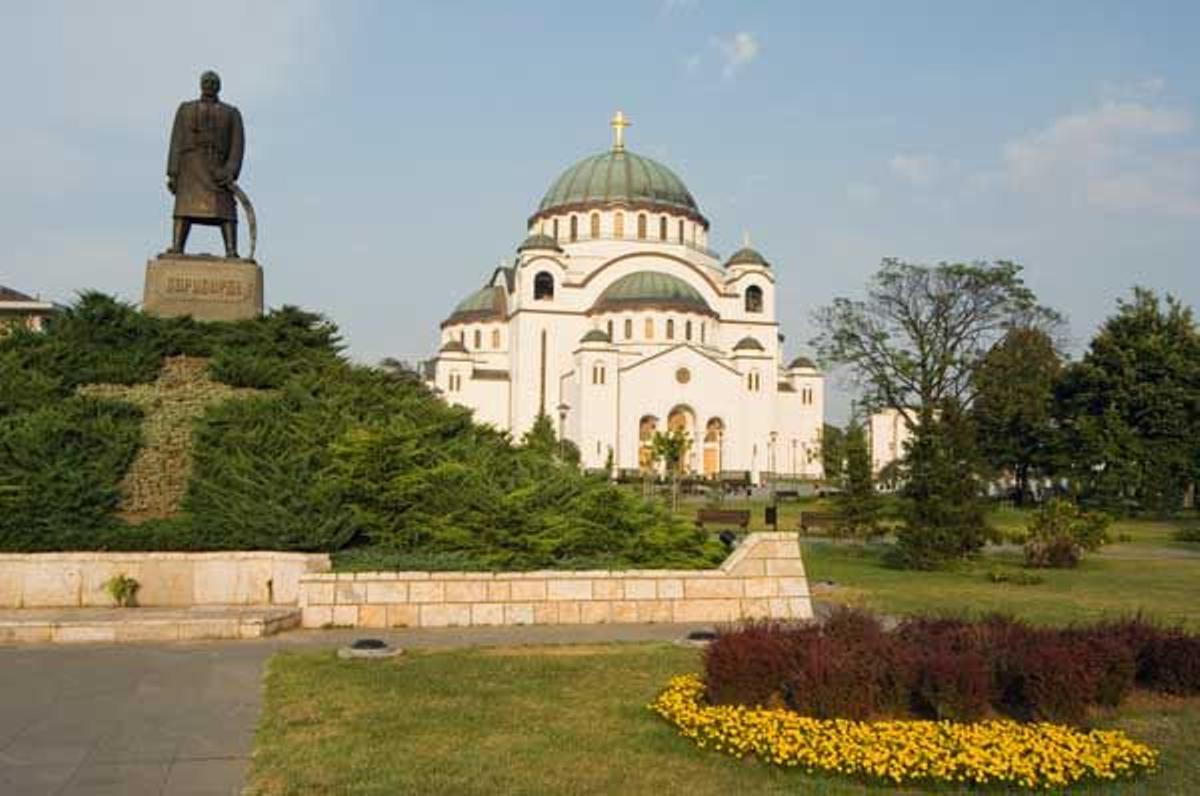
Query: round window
683, 375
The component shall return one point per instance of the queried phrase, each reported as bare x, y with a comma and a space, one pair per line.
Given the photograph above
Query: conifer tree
857, 505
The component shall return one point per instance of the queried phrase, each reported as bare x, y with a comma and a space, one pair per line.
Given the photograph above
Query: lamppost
562, 422
793, 463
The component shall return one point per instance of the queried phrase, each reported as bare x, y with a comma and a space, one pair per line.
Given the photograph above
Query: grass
558, 720
1150, 573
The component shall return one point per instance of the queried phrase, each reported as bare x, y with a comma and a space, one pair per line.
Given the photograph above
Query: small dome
618, 176
651, 290
747, 256
802, 362
539, 241
453, 347
748, 344
485, 304
596, 336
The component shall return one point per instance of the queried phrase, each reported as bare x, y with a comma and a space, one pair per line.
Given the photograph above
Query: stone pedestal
207, 288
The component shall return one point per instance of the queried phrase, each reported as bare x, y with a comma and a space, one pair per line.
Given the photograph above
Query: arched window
752, 381
543, 286
478, 339
610, 331
687, 330
681, 230
662, 228
556, 229
649, 328
754, 299
628, 328
702, 332
618, 224
595, 225
641, 226
574, 228
495, 338
670, 329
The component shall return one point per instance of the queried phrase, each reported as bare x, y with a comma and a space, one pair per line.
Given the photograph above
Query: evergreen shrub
329, 457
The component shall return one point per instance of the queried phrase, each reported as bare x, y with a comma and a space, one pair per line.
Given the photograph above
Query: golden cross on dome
619, 123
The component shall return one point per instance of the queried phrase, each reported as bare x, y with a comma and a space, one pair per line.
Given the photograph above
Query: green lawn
554, 721
1149, 573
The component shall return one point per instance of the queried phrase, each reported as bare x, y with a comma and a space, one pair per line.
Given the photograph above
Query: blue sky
396, 149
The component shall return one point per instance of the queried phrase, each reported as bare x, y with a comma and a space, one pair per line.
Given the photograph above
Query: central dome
619, 176
643, 290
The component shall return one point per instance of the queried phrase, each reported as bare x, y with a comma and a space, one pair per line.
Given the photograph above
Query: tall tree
1014, 405
1130, 409
921, 333
671, 448
857, 506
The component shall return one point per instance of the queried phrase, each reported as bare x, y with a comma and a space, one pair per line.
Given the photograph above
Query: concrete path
174, 719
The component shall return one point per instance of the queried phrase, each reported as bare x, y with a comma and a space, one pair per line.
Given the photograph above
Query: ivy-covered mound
327, 456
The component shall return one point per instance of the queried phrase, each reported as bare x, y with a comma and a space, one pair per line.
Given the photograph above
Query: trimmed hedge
333, 457
947, 669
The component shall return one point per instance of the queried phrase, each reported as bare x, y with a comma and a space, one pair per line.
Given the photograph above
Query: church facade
616, 320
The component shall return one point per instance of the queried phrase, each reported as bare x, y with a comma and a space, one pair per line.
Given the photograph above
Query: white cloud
1117, 156
737, 51
920, 170
862, 193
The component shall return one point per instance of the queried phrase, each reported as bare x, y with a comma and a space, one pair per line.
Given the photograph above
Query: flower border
1036, 755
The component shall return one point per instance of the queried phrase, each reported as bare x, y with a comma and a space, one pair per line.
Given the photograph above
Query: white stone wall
763, 578
74, 580
888, 432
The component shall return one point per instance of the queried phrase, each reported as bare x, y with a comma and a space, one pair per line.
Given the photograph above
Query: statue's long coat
206, 141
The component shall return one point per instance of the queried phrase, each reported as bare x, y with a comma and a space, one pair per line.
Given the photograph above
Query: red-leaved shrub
852, 668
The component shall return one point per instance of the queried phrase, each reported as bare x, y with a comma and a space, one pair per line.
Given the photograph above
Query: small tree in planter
1059, 534
671, 448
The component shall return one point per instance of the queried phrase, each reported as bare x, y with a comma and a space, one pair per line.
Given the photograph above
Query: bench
739, 517
811, 520
787, 494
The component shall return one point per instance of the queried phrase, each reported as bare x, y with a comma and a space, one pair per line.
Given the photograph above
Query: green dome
488, 303
539, 241
651, 290
748, 344
596, 336
802, 362
747, 256
619, 176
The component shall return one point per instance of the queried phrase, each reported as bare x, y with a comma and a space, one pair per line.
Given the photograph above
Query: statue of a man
207, 143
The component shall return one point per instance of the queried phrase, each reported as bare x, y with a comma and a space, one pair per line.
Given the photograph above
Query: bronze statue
207, 144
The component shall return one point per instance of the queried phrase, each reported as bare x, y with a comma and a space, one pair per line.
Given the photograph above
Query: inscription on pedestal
207, 288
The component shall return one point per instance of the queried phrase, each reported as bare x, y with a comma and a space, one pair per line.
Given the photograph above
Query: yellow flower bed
1006, 752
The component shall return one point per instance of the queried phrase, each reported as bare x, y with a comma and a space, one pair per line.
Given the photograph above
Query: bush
1191, 534
947, 669
1059, 534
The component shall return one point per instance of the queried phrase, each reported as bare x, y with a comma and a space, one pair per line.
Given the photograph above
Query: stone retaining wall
764, 577
70, 580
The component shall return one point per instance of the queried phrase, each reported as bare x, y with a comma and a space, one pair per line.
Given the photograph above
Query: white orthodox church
616, 320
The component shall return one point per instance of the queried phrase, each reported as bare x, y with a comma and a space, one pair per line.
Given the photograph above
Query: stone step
125, 625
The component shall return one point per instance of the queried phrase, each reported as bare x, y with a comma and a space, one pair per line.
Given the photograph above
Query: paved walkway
179, 718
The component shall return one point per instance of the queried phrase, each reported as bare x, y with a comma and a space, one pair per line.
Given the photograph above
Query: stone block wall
763, 578
73, 580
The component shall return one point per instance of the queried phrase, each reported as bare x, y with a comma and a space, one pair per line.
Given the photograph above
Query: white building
888, 432
617, 321
20, 310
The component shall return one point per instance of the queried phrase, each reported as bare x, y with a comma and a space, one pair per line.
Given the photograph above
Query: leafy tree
914, 345
1014, 405
1130, 410
1059, 534
833, 452
942, 508
916, 341
671, 448
857, 505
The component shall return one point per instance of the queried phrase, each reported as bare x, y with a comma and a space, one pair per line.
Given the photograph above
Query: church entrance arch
647, 426
682, 418
714, 433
